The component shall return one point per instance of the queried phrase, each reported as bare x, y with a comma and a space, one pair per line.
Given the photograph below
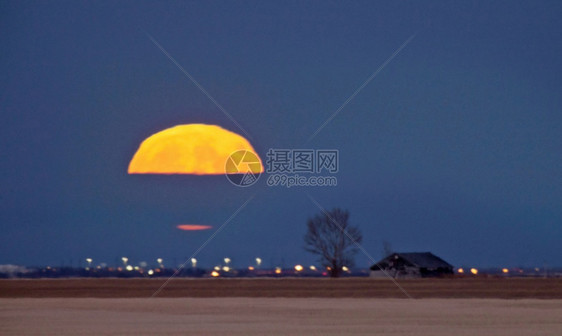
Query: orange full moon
190, 149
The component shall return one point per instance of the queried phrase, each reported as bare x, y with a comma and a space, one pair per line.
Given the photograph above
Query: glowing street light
226, 268
150, 272
159, 261
227, 260
277, 270
215, 274
193, 262
474, 271
312, 268
129, 268
299, 268
460, 270
345, 269
125, 259
505, 270
89, 261
258, 262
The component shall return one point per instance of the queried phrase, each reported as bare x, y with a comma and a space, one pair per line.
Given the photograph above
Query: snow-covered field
279, 316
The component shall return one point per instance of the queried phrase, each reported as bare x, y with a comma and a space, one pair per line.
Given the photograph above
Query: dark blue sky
454, 147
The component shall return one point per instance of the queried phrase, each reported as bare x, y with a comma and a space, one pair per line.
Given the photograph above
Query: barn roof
419, 259
425, 259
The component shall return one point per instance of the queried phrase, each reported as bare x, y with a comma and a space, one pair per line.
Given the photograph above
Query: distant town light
277, 270
217, 268
505, 270
129, 268
345, 269
258, 261
474, 271
136, 268
251, 268
460, 270
193, 262
150, 272
159, 261
226, 260
215, 274
298, 268
125, 259
313, 268
226, 269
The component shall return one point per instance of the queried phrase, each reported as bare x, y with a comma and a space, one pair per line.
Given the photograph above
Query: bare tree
331, 237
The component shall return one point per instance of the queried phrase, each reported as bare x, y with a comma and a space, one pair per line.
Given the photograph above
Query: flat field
279, 316
281, 307
501, 288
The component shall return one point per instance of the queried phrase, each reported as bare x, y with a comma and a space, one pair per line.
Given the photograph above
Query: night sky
455, 147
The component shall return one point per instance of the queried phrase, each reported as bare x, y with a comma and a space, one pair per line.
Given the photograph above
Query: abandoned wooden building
411, 265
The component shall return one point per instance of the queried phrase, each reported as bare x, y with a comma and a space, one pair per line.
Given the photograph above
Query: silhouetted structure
411, 265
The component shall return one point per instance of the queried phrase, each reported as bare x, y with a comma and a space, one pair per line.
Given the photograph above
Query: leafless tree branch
326, 237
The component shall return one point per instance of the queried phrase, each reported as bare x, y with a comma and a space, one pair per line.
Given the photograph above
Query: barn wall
406, 273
